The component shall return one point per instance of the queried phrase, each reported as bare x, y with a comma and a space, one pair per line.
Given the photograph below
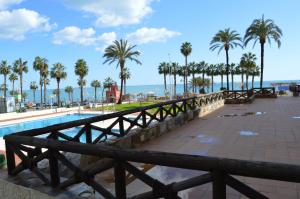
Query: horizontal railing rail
220, 171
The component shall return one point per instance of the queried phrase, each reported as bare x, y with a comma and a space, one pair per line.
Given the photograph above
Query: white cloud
114, 12
16, 23
84, 37
4, 4
147, 35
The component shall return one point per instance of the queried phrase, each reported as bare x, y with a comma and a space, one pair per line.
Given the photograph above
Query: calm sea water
157, 89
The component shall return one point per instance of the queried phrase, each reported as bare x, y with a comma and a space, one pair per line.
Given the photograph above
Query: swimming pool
23, 126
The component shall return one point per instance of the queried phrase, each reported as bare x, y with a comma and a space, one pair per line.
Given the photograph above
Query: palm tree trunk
13, 88
247, 82
232, 81
95, 94
243, 81
58, 94
227, 68
165, 81
34, 95
174, 84
45, 91
252, 81
194, 90
5, 89
72, 97
222, 81
203, 86
21, 86
41, 87
262, 47
185, 73
81, 93
212, 83
121, 90
124, 86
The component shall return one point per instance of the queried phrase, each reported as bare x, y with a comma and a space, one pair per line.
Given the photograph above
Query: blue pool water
13, 128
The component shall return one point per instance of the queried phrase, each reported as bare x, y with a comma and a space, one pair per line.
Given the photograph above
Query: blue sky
66, 30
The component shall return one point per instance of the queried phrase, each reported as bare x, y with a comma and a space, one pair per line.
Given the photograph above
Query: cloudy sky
66, 30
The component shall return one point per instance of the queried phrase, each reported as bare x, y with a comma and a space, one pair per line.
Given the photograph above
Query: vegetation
125, 75
226, 39
41, 65
20, 67
263, 30
5, 70
58, 73
125, 106
81, 70
33, 87
164, 69
186, 50
2, 161
248, 65
119, 52
95, 84
12, 78
69, 91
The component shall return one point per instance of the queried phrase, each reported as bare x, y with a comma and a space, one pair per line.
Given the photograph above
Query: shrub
2, 161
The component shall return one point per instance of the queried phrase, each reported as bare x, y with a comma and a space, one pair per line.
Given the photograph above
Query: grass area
127, 106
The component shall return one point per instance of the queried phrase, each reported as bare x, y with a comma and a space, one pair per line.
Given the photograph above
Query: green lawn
127, 106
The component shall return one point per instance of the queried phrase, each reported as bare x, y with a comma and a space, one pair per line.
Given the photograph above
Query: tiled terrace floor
272, 136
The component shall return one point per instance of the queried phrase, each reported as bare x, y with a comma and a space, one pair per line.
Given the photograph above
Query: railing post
174, 109
184, 106
161, 113
53, 165
144, 119
88, 134
120, 180
121, 126
219, 185
10, 156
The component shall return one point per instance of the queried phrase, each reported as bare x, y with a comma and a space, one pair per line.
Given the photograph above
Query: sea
157, 90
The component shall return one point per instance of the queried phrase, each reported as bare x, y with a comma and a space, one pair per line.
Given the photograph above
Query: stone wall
9, 190
140, 136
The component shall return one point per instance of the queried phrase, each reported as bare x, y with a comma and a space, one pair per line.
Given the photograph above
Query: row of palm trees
247, 67
262, 30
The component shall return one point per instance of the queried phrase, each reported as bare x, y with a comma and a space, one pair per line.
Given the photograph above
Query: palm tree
263, 30
81, 69
125, 76
96, 84
13, 77
186, 50
163, 69
45, 82
174, 71
5, 70
41, 65
20, 67
212, 71
248, 64
69, 91
201, 69
119, 52
24, 96
255, 72
226, 39
232, 70
221, 70
108, 82
239, 70
193, 70
58, 72
33, 87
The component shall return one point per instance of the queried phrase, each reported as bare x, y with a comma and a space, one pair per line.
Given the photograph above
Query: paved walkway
263, 131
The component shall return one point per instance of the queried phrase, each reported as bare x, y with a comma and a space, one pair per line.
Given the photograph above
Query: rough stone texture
9, 190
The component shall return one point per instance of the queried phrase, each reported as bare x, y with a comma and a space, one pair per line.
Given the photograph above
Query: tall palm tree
13, 77
226, 39
263, 30
58, 72
69, 91
41, 65
221, 70
248, 64
20, 67
232, 70
174, 71
193, 70
212, 71
255, 72
163, 69
81, 69
5, 70
186, 50
96, 84
125, 76
46, 82
119, 52
33, 87
201, 69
